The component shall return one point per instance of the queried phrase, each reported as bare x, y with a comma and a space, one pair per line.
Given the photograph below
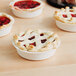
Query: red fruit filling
31, 38
41, 34
43, 41
73, 15
34, 44
22, 35
64, 15
24, 45
27, 4
4, 20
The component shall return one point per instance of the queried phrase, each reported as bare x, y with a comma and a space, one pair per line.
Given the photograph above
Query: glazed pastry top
36, 41
66, 15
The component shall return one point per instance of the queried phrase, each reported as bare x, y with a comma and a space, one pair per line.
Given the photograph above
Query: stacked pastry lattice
66, 15
36, 41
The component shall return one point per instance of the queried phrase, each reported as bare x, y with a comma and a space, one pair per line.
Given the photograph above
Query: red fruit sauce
27, 4
41, 34
73, 15
43, 41
34, 44
64, 15
4, 20
22, 35
24, 45
31, 38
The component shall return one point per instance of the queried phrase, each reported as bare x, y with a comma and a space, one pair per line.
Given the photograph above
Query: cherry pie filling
34, 44
31, 38
73, 15
27, 4
41, 34
24, 45
36, 41
43, 41
65, 16
4, 20
22, 35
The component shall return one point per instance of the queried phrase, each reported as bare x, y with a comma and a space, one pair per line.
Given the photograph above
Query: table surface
67, 70
11, 61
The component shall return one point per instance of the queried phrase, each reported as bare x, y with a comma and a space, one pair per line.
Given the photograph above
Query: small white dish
66, 26
35, 55
37, 44
66, 19
26, 13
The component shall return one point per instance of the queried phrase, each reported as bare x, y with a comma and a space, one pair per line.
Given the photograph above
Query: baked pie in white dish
6, 22
37, 44
27, 8
66, 19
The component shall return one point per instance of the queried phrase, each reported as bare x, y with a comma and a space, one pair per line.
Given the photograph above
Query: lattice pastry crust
36, 41
66, 15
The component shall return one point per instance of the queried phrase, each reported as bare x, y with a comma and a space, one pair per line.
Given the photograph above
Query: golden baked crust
36, 41
30, 10
58, 15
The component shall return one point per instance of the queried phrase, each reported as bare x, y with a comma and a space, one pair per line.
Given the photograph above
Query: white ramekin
7, 28
26, 13
5, 31
66, 26
35, 55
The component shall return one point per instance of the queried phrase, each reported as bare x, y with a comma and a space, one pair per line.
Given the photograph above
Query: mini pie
66, 19
6, 22
36, 41
26, 8
66, 15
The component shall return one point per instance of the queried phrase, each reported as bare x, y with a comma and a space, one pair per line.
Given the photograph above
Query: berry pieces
43, 41
24, 45
64, 15
31, 38
34, 44
27, 4
4, 20
41, 34
73, 15
22, 35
